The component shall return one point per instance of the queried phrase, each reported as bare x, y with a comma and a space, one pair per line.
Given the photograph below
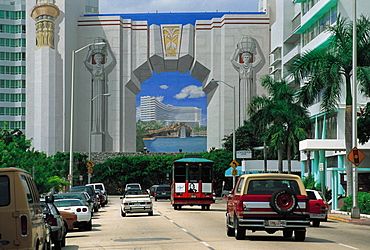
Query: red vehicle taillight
149, 202
78, 210
24, 225
84, 209
52, 222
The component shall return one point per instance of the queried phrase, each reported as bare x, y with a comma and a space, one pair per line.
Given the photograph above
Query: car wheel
88, 226
123, 214
155, 199
287, 233
299, 235
96, 209
239, 231
150, 213
230, 231
58, 245
315, 223
283, 201
47, 245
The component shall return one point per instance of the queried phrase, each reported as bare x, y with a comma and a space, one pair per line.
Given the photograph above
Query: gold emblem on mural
171, 38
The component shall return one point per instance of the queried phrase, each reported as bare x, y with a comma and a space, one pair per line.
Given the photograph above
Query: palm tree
325, 70
280, 119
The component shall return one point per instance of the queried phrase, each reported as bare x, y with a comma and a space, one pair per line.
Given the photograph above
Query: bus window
180, 173
193, 173
207, 173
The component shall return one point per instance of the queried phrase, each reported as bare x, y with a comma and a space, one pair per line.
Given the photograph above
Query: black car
162, 192
55, 220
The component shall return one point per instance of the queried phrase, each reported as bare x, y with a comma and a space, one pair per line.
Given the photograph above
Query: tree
279, 119
324, 71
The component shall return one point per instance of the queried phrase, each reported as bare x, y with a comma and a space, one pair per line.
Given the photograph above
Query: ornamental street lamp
74, 52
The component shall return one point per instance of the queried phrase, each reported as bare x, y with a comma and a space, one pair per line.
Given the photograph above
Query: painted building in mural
115, 54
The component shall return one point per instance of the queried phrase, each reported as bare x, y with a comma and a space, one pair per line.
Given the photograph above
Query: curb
349, 214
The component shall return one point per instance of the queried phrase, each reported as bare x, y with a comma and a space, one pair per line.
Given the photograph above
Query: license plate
193, 196
163, 193
275, 223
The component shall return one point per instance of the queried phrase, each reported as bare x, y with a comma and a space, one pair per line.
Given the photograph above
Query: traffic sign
356, 156
90, 164
234, 172
234, 164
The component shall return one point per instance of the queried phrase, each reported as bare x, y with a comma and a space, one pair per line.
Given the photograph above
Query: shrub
363, 203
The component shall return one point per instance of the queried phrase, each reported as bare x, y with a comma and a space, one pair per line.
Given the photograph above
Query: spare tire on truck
283, 201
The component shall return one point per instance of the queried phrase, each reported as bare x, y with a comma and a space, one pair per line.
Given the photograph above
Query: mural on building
171, 38
247, 59
100, 61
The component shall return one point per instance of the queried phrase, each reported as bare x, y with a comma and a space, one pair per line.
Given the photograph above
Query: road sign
234, 172
90, 164
356, 156
244, 154
234, 164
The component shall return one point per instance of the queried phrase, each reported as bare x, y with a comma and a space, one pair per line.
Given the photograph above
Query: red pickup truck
268, 202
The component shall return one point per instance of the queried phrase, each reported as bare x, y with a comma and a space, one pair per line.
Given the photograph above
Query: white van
101, 187
22, 224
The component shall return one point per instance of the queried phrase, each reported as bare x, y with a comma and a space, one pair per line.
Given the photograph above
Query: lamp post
234, 120
90, 127
74, 52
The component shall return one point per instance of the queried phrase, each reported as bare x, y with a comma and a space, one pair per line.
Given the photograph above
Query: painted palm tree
279, 118
328, 71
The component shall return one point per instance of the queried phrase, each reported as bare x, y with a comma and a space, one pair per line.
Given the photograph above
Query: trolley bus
192, 182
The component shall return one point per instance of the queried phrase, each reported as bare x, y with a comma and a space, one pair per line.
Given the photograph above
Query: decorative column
44, 13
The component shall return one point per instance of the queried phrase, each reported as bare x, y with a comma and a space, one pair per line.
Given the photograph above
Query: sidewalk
346, 217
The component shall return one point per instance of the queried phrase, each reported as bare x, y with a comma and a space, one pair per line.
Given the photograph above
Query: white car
136, 201
76, 206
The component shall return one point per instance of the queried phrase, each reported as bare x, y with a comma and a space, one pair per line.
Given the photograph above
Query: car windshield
268, 187
134, 192
163, 188
68, 203
68, 196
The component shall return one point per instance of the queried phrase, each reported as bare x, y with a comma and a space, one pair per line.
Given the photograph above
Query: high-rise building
12, 64
151, 109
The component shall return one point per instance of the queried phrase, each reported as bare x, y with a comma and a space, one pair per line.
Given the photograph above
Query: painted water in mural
185, 145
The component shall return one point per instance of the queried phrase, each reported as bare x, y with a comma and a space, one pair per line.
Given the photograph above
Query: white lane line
347, 246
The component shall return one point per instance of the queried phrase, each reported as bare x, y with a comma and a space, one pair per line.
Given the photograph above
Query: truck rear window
268, 187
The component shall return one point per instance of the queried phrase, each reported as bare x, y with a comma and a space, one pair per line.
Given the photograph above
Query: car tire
88, 226
299, 235
230, 231
150, 213
287, 233
283, 201
123, 214
47, 245
315, 223
239, 231
57, 245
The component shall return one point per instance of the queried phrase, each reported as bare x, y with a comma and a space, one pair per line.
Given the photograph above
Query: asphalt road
193, 228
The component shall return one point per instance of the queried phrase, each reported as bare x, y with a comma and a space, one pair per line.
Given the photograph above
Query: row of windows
13, 124
12, 15
12, 42
307, 5
6, 56
12, 84
330, 124
320, 25
13, 29
12, 70
12, 97
12, 111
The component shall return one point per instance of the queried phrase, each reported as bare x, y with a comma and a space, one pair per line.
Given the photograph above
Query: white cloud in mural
164, 86
190, 91
159, 98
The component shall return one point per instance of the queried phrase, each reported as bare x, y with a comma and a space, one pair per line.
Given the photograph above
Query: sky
165, 6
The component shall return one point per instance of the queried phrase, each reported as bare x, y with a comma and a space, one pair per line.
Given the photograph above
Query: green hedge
363, 203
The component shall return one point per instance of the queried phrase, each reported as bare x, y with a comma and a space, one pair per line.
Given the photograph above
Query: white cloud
164, 86
190, 91
159, 98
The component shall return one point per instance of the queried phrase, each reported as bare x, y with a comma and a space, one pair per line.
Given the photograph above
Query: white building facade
299, 26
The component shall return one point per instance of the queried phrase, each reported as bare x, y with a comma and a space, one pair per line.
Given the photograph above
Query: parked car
136, 201
162, 192
318, 208
79, 208
102, 188
268, 202
152, 190
132, 185
85, 197
101, 197
91, 191
70, 219
21, 218
55, 221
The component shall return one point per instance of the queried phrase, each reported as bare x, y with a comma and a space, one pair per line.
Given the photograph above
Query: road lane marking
348, 246
183, 229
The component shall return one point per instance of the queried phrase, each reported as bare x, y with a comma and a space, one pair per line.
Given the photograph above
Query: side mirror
49, 199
